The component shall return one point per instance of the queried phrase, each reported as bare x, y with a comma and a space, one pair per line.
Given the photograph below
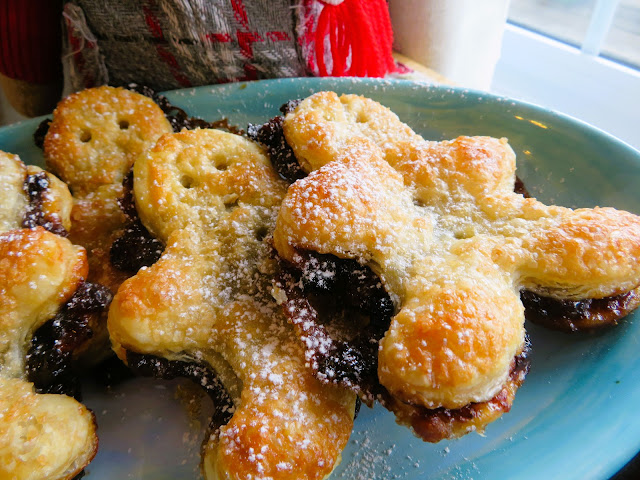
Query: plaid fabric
169, 44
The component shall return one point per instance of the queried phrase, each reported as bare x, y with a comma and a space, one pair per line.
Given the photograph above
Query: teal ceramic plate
576, 417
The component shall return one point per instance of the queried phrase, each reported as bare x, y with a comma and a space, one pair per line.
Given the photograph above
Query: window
580, 57
607, 27
566, 20
623, 41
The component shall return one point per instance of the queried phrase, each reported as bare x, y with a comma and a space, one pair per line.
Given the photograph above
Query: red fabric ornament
359, 38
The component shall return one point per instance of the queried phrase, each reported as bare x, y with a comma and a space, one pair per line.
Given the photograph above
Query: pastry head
96, 135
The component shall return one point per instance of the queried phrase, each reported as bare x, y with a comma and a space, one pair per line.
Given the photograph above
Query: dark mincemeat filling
136, 247
578, 315
318, 287
271, 136
35, 187
519, 188
433, 425
50, 358
574, 315
152, 366
41, 132
178, 118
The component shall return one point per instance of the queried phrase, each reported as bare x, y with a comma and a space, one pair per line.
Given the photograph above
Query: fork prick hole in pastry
85, 136
231, 203
261, 233
123, 124
186, 181
219, 161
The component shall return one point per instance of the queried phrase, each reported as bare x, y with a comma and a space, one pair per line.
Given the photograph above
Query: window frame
541, 70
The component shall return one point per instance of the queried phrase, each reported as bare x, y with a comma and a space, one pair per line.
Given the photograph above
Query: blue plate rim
624, 454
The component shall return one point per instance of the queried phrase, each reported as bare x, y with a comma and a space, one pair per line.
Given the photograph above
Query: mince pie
438, 224
46, 312
205, 310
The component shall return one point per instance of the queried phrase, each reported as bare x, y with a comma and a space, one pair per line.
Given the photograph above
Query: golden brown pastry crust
453, 244
97, 134
92, 142
56, 201
14, 203
40, 272
358, 207
41, 436
213, 198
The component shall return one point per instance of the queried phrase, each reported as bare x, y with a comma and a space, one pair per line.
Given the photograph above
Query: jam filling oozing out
50, 358
35, 186
271, 136
320, 287
574, 315
434, 425
136, 247
152, 366
317, 286
178, 118
41, 132
520, 188
578, 315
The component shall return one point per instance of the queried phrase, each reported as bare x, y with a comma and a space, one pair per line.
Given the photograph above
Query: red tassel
359, 36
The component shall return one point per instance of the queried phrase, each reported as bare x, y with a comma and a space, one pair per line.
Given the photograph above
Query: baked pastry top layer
440, 224
92, 143
97, 134
93, 139
41, 436
213, 197
53, 199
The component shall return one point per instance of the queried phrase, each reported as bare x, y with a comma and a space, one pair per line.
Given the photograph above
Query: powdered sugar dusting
217, 213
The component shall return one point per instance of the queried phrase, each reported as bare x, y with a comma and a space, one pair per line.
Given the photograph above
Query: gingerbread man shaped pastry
212, 197
453, 245
92, 142
42, 435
